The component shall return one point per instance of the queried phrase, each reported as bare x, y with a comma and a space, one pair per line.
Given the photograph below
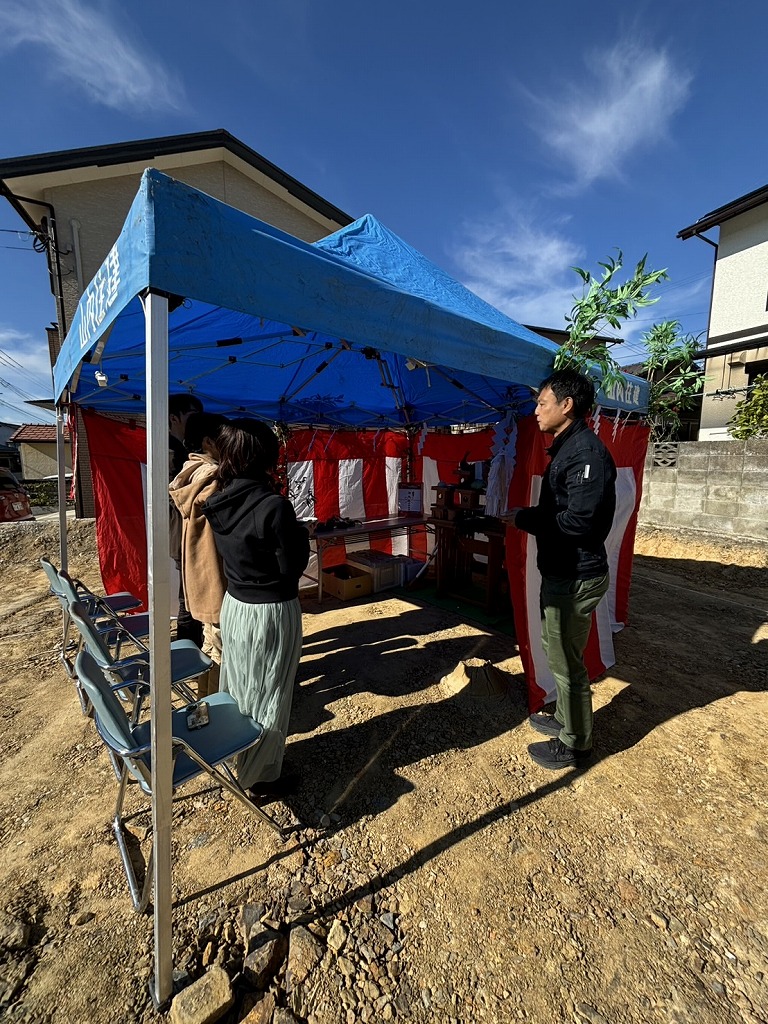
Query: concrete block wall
718, 487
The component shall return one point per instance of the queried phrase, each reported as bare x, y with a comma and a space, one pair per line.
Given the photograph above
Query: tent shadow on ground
645, 703
382, 655
360, 763
504, 809
355, 771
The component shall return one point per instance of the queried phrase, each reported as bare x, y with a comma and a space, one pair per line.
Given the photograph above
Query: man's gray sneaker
546, 724
554, 755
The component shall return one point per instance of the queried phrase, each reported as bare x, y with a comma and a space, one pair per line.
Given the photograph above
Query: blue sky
507, 142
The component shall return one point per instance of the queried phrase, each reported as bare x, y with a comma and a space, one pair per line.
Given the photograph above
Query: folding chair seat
110, 624
101, 609
187, 660
115, 603
195, 752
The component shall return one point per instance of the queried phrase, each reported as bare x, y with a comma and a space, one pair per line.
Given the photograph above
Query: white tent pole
61, 469
158, 559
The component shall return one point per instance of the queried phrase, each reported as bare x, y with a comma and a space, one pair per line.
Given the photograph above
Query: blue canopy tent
357, 330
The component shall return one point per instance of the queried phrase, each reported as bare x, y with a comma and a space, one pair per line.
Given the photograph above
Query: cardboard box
346, 582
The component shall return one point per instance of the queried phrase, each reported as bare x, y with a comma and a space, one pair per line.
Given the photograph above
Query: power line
18, 391
11, 359
664, 288
13, 364
24, 413
669, 316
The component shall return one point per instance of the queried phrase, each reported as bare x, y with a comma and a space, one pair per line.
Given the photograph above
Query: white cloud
91, 50
520, 267
28, 350
523, 266
625, 102
31, 379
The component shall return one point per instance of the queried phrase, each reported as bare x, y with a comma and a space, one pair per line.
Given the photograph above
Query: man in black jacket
571, 523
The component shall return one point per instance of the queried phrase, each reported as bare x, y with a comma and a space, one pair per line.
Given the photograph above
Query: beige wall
100, 207
39, 460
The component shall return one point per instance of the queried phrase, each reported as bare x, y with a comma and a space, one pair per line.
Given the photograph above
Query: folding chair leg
185, 691
117, 767
230, 783
139, 894
237, 791
69, 652
69, 649
85, 704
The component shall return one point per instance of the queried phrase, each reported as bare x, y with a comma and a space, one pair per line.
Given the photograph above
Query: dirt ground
435, 872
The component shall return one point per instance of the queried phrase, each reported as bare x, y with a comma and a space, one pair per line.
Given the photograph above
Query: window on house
756, 369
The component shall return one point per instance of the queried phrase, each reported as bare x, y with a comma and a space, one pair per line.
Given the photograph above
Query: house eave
727, 212
26, 175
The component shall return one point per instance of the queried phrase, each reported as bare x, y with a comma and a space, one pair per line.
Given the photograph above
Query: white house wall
741, 275
739, 301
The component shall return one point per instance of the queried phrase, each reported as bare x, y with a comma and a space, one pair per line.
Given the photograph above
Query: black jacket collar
575, 428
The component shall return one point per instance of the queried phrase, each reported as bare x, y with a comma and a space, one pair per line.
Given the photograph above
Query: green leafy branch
605, 305
675, 379
751, 416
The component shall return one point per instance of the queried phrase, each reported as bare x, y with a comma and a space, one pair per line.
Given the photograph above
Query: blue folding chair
187, 660
115, 628
102, 609
195, 752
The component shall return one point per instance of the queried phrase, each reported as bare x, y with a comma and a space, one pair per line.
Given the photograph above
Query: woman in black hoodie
265, 551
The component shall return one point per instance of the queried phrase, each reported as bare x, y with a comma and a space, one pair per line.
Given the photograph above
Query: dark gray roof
723, 213
167, 145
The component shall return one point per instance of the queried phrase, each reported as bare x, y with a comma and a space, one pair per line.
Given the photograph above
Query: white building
737, 339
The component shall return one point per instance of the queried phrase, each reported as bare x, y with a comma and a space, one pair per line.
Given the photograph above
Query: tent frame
158, 555
153, 269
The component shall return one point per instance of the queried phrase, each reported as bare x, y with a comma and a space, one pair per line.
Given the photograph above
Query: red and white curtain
627, 443
356, 475
348, 474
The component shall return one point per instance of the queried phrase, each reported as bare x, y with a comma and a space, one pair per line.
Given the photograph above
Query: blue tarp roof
356, 330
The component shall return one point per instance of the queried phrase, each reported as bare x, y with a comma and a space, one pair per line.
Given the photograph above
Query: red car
14, 500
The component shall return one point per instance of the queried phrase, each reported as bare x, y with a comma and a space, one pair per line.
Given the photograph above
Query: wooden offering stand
462, 532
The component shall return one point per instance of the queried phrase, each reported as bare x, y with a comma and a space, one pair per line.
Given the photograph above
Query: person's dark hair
201, 425
178, 405
572, 384
246, 447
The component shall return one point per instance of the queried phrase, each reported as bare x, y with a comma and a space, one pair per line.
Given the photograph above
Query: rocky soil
433, 873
